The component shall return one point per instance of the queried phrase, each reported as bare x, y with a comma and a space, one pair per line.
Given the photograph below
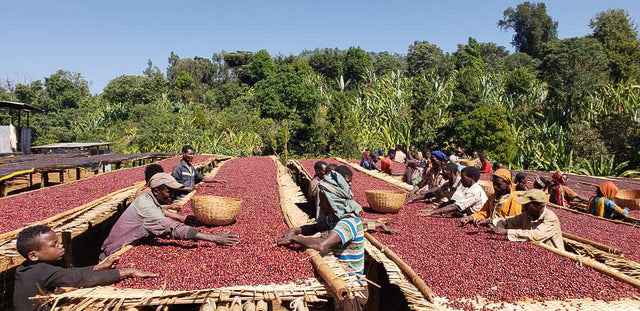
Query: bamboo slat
629, 221
598, 245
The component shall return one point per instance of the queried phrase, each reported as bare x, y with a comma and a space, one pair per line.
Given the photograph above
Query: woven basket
386, 201
215, 210
487, 186
629, 198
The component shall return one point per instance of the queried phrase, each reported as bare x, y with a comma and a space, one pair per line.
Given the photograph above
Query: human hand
225, 239
107, 264
192, 221
500, 230
481, 222
466, 220
425, 212
287, 239
130, 272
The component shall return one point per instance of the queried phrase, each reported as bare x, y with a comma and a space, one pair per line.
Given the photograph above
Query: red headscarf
366, 156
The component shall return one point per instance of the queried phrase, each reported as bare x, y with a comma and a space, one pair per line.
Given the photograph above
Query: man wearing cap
536, 224
145, 217
187, 175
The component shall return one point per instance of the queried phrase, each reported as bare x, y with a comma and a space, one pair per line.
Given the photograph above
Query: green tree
132, 90
425, 57
532, 26
486, 129
65, 89
327, 62
492, 56
467, 93
386, 63
355, 65
469, 55
572, 68
261, 66
619, 36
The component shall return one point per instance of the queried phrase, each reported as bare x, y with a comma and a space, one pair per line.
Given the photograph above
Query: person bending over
536, 223
502, 203
42, 249
560, 193
444, 191
345, 236
469, 197
145, 217
603, 204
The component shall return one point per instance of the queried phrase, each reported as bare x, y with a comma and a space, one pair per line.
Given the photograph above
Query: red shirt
385, 165
486, 167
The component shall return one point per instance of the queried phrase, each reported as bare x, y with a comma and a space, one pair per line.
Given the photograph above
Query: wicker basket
386, 201
629, 198
487, 186
215, 210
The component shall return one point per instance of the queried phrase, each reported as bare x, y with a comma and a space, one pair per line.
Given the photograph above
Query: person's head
469, 176
450, 171
162, 186
330, 168
533, 202
346, 172
607, 190
475, 155
426, 153
380, 152
392, 154
497, 165
366, 156
438, 157
375, 157
187, 153
460, 151
501, 181
39, 243
483, 158
521, 178
151, 170
559, 178
412, 148
320, 167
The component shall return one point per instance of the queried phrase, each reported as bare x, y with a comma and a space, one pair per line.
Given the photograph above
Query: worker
42, 249
497, 165
149, 171
468, 198
365, 162
186, 174
486, 165
319, 169
458, 155
345, 236
521, 182
432, 176
442, 192
603, 204
384, 164
536, 223
502, 203
400, 155
560, 193
145, 217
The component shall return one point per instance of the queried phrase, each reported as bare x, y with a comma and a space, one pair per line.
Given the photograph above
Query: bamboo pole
600, 246
634, 222
415, 278
602, 268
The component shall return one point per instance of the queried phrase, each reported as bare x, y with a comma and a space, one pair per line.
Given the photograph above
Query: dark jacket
49, 277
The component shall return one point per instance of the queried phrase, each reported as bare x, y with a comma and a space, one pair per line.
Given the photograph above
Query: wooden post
78, 175
61, 179
66, 242
3, 188
44, 179
30, 179
118, 165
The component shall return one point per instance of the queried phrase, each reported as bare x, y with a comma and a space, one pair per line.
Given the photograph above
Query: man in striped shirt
345, 236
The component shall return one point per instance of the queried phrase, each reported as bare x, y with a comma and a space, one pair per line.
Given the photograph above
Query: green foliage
327, 62
492, 56
532, 26
605, 166
133, 90
237, 59
619, 36
64, 90
486, 129
424, 57
386, 63
572, 68
261, 67
356, 64
468, 55
586, 142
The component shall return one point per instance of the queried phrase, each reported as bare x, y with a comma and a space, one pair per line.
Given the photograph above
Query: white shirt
472, 198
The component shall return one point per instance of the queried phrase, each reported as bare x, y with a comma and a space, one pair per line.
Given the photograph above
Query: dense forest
570, 104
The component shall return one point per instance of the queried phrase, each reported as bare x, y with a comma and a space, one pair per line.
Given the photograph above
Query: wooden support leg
44, 179
78, 173
3, 189
66, 242
118, 165
30, 180
61, 177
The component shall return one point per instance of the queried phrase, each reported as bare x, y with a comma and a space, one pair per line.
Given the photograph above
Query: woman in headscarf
560, 193
502, 203
603, 205
366, 160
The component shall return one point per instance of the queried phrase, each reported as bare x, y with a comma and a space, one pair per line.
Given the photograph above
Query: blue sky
105, 39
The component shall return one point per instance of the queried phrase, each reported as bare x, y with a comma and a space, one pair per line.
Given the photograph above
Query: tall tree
327, 62
425, 57
356, 63
532, 26
261, 66
619, 36
573, 67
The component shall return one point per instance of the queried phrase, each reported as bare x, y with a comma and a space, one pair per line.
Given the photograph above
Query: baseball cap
166, 179
533, 195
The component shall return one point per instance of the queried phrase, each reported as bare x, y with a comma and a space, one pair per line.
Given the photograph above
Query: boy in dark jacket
41, 248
